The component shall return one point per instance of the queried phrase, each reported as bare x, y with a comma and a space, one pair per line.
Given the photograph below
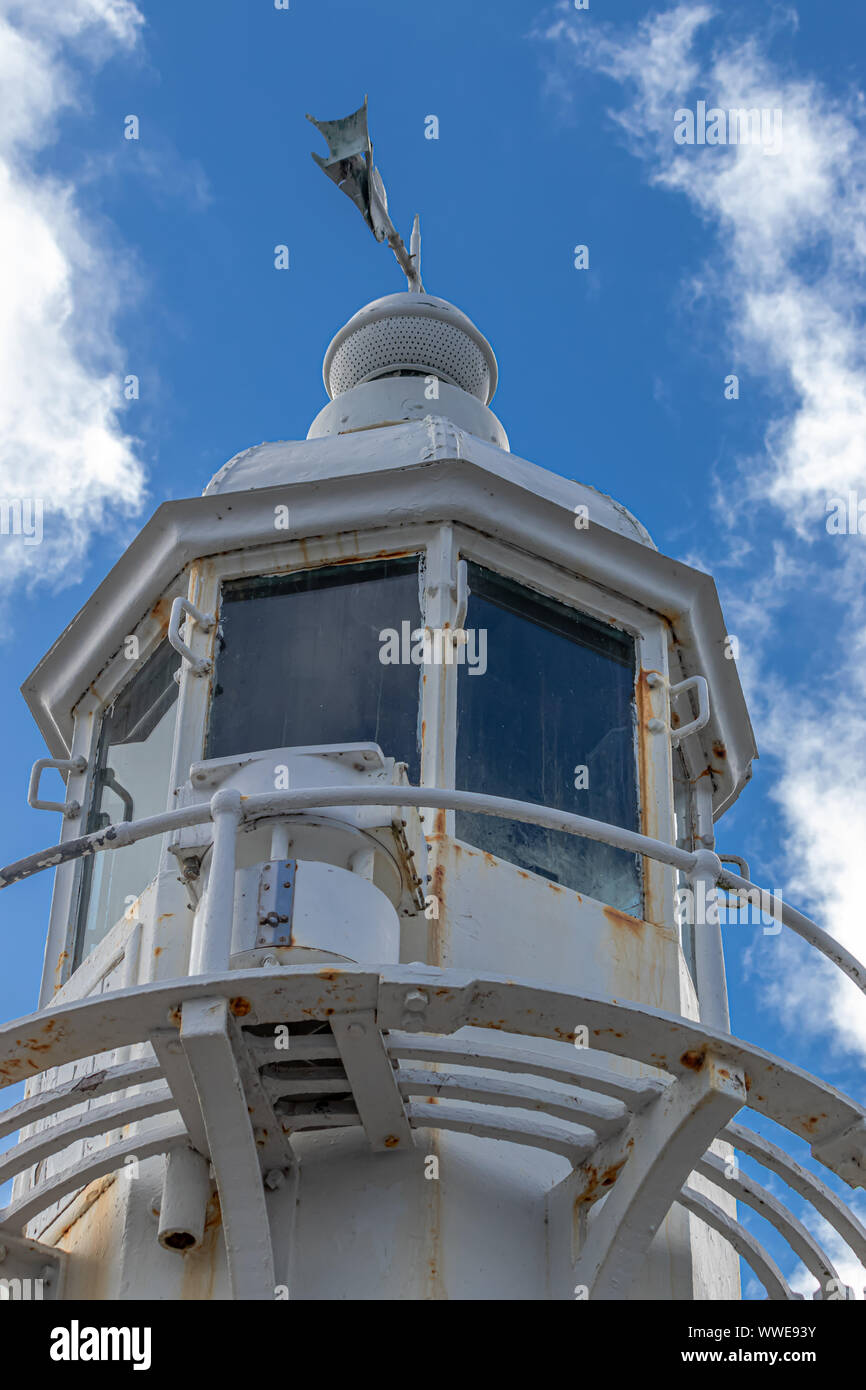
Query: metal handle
180, 609
66, 808
698, 683
740, 863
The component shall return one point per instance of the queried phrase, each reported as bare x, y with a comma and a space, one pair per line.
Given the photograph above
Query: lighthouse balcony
229, 1075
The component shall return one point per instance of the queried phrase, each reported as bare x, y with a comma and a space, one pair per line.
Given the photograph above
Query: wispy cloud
61, 370
848, 1267
788, 277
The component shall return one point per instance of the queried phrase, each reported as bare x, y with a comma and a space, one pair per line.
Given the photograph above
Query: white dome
411, 334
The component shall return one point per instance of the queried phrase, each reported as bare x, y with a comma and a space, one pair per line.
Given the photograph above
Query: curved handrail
286, 803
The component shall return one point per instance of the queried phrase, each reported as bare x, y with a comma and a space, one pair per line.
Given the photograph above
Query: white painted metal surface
516, 1090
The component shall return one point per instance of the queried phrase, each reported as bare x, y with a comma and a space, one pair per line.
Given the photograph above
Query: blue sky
155, 257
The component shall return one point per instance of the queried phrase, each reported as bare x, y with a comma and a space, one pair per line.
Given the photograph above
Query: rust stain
214, 1216
200, 1266
813, 1121
392, 1141
719, 750
436, 924
597, 1183
240, 1007
161, 612
329, 974
87, 1198
438, 824
58, 970
623, 919
694, 1060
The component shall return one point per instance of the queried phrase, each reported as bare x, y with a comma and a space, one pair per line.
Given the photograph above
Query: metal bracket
66, 808
180, 609
276, 902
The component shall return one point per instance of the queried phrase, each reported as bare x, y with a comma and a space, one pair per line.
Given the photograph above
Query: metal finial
350, 166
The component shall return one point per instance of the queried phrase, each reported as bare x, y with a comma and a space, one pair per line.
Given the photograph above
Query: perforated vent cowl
411, 333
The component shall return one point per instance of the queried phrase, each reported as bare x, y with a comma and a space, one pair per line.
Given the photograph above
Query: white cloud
792, 226
788, 270
848, 1267
61, 439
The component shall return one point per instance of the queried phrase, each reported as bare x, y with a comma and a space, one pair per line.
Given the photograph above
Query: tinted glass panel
299, 662
556, 696
131, 781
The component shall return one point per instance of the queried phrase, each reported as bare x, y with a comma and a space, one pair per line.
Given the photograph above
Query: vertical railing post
212, 936
709, 952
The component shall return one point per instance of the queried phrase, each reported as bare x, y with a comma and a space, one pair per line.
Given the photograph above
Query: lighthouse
385, 956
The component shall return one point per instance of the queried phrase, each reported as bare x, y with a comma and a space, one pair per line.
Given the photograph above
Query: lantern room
389, 739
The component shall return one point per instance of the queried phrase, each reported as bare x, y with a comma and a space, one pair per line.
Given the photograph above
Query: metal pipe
800, 924
709, 954
290, 803
212, 933
279, 803
280, 840
711, 980
110, 837
185, 1195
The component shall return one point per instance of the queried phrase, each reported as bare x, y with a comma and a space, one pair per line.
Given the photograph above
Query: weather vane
350, 165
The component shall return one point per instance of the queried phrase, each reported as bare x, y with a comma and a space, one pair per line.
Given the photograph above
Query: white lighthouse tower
384, 958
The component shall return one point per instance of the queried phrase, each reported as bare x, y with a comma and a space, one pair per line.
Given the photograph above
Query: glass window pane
131, 781
557, 695
299, 662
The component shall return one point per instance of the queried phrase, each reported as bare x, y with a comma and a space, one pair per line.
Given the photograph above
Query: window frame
88, 714
654, 772
439, 546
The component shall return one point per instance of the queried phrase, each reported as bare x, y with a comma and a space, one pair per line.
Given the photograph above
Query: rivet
415, 1001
